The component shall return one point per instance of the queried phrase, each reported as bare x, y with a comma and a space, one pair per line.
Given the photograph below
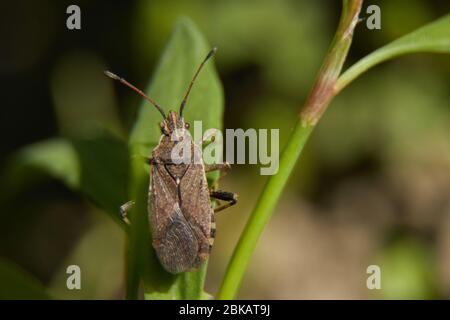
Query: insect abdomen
178, 249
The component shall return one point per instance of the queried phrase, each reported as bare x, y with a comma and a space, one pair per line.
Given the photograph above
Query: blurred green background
373, 186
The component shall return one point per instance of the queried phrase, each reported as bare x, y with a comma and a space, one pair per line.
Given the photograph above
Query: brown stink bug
180, 213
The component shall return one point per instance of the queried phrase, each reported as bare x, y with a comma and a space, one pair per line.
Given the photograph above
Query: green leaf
433, 37
56, 156
98, 167
17, 284
104, 164
182, 56
188, 286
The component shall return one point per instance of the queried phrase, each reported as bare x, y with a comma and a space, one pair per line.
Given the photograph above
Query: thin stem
323, 90
320, 96
261, 214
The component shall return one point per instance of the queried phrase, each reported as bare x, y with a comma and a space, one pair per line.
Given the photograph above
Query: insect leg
212, 234
225, 196
223, 167
124, 211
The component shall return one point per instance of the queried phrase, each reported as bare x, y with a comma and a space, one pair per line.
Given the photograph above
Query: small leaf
98, 167
17, 284
104, 166
182, 56
57, 157
433, 37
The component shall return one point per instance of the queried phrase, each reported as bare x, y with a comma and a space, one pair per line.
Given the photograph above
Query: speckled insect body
180, 213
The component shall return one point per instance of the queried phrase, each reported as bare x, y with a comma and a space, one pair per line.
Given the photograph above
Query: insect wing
195, 202
174, 240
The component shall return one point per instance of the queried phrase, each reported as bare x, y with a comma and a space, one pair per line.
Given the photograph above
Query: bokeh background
372, 187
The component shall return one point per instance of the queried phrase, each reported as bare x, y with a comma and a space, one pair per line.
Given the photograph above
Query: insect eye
186, 125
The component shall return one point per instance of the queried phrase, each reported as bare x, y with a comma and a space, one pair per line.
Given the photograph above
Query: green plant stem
319, 98
262, 212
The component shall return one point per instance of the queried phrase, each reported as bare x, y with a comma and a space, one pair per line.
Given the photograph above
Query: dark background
373, 186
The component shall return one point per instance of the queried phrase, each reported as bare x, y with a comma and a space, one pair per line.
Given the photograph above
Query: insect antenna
129, 85
183, 103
